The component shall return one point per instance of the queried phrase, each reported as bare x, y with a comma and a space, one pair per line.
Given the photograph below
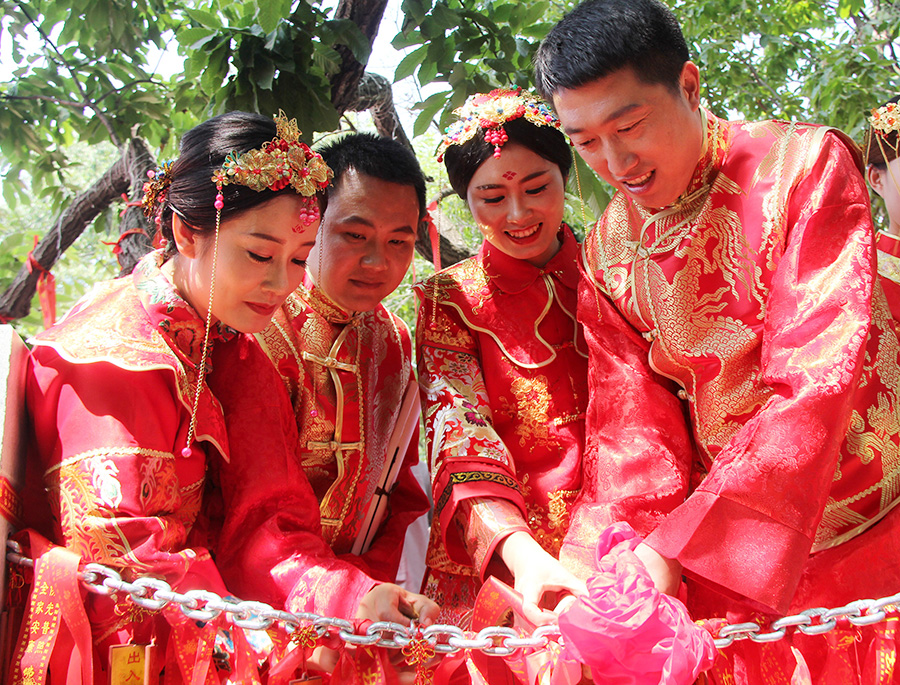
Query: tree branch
111, 91
366, 14
375, 94
84, 208
87, 103
759, 80
45, 98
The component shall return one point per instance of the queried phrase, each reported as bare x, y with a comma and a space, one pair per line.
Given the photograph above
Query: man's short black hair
600, 37
376, 156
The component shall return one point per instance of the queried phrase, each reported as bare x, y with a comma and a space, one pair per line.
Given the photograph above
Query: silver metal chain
154, 594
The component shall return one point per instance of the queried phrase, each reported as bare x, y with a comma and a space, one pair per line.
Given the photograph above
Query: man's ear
185, 237
689, 81
875, 177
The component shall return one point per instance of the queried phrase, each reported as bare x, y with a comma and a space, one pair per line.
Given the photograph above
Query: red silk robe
888, 249
109, 393
295, 494
502, 369
756, 293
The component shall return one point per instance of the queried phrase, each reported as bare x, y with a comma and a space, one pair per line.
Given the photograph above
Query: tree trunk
135, 245
366, 14
84, 208
374, 93
453, 249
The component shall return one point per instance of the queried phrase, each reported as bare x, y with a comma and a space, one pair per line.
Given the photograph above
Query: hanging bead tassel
201, 371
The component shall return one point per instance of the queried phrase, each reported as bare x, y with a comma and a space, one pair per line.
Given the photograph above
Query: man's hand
389, 602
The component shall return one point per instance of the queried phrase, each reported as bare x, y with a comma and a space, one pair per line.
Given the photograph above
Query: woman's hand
665, 573
389, 602
545, 584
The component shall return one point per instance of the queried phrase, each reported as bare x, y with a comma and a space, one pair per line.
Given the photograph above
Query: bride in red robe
882, 152
124, 426
503, 371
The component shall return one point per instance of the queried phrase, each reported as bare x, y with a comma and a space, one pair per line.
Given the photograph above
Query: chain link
154, 594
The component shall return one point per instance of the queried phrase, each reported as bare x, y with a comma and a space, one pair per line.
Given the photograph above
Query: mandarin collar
323, 305
513, 275
169, 313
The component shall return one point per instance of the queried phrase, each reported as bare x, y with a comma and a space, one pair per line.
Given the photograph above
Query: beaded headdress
283, 161
884, 129
488, 112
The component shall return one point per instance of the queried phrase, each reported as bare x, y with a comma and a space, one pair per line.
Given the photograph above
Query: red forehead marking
509, 175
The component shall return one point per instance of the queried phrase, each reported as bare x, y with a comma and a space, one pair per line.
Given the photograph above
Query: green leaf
347, 33
444, 16
408, 64
271, 12
431, 106
206, 19
215, 71
414, 10
196, 38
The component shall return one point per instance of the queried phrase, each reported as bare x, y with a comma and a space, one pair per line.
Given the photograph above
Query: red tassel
46, 288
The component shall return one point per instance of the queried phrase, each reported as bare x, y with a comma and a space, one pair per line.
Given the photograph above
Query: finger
531, 593
571, 584
565, 603
536, 615
390, 612
426, 609
406, 606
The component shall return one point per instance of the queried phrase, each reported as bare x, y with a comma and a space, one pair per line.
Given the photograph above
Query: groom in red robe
743, 255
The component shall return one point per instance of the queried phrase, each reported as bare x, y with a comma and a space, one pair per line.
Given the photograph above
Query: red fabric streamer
46, 287
434, 237
116, 245
128, 203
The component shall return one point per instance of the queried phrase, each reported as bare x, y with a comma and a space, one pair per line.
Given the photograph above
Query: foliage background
77, 77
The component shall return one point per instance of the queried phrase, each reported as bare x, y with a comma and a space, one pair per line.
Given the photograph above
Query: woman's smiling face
517, 200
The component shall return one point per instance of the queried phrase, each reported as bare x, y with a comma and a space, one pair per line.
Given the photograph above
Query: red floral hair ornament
488, 112
283, 161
